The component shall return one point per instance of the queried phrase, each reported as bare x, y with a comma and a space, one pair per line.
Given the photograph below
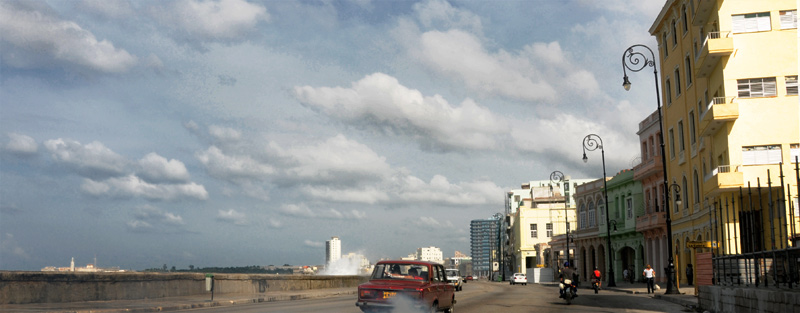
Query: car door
445, 290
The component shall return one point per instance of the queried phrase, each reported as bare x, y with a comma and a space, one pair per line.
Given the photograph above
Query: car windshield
452, 273
400, 271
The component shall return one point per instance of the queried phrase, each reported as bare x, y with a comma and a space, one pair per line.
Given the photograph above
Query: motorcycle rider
596, 276
567, 273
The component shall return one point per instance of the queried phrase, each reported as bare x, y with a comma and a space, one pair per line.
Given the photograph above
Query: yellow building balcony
702, 11
718, 112
715, 46
725, 178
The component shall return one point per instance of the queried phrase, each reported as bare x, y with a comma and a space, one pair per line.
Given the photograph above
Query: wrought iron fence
763, 233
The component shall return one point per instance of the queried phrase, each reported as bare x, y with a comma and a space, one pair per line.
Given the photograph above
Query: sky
236, 133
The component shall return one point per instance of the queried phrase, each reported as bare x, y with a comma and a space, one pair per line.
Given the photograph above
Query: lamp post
635, 60
591, 142
556, 177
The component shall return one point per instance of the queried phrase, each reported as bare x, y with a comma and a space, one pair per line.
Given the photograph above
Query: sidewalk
686, 297
174, 303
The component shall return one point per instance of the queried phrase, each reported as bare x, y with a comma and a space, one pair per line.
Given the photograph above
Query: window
677, 82
794, 150
629, 207
681, 144
684, 20
692, 133
788, 19
674, 34
748, 23
755, 155
671, 143
685, 195
664, 44
668, 92
791, 85
696, 189
582, 222
549, 227
688, 68
534, 232
592, 218
757, 87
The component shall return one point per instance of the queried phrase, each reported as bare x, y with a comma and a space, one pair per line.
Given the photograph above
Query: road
486, 297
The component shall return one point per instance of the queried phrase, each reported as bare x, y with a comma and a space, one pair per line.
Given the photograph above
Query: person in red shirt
596, 275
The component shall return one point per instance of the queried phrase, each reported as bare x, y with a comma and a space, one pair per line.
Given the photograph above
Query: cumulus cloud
209, 20
9, 246
224, 133
380, 102
366, 195
525, 139
35, 37
336, 160
440, 14
111, 9
313, 244
155, 168
440, 191
93, 160
429, 223
274, 223
133, 186
21, 145
304, 211
152, 219
232, 216
234, 168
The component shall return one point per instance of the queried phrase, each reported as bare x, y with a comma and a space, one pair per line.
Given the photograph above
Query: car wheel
452, 309
434, 307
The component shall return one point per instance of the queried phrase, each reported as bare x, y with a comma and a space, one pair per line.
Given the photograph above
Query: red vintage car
407, 285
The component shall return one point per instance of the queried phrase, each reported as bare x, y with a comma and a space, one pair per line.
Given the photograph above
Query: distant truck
454, 278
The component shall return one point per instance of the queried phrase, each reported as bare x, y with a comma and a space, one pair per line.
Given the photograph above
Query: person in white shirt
649, 276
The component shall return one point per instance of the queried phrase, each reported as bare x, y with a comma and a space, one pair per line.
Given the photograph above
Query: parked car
469, 277
422, 284
519, 278
454, 278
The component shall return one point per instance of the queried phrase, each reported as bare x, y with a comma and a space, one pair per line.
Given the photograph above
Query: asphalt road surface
480, 297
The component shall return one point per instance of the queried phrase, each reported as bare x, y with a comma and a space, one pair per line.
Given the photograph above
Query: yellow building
728, 79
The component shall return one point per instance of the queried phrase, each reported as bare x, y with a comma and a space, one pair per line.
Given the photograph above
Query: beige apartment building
728, 80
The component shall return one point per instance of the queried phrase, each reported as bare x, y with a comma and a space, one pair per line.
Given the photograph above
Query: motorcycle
596, 285
568, 290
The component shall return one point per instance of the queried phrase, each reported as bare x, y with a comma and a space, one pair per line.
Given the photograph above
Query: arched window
674, 33
592, 219
583, 223
684, 19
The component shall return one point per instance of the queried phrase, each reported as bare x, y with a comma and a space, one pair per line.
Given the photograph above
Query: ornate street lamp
556, 177
592, 142
635, 60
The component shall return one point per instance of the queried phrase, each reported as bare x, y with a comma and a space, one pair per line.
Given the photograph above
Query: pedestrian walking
625, 274
689, 273
649, 277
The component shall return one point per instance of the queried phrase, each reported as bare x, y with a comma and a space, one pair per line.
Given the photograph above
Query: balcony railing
714, 47
716, 100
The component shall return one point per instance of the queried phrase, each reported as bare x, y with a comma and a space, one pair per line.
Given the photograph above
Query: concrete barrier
748, 299
49, 287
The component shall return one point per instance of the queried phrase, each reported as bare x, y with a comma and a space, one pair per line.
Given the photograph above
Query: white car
454, 278
519, 278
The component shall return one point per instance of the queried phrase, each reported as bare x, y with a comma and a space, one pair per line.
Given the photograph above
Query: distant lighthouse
72, 265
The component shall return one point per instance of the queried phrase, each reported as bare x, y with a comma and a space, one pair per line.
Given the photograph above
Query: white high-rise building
430, 254
333, 250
